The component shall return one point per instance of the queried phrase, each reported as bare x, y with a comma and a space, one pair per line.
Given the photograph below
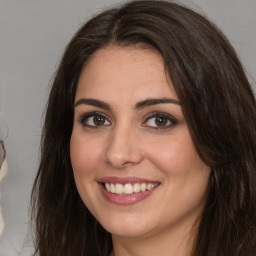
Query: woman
148, 146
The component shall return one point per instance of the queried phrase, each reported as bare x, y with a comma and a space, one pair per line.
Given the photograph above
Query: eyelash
85, 117
172, 121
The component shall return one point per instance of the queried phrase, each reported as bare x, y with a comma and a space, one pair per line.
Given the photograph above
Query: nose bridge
123, 148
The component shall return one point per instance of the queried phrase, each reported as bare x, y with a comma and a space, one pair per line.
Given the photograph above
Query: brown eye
99, 120
94, 120
161, 121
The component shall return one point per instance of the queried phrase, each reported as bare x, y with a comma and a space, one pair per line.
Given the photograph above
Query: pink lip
125, 199
125, 180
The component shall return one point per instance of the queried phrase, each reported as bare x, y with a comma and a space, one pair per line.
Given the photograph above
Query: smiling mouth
128, 189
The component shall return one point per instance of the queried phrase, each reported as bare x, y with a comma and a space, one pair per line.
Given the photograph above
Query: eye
160, 121
94, 119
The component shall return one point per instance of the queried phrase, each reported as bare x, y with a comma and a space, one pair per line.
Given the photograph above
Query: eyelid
85, 116
173, 121
154, 114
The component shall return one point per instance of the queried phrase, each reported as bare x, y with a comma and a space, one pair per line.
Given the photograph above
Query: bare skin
120, 133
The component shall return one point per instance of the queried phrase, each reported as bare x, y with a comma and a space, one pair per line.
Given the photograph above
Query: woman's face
135, 166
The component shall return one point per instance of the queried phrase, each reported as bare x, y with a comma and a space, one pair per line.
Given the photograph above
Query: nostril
122, 149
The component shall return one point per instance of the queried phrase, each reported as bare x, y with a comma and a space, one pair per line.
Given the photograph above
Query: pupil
98, 120
161, 121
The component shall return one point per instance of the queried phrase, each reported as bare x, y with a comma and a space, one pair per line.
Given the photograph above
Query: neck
178, 242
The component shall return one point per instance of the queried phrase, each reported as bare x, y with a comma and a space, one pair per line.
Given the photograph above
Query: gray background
33, 34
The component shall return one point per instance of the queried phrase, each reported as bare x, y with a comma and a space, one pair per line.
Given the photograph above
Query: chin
130, 226
124, 231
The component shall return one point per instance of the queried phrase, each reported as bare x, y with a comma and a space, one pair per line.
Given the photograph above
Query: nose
123, 148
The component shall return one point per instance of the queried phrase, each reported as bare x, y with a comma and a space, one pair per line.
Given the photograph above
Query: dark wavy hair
218, 105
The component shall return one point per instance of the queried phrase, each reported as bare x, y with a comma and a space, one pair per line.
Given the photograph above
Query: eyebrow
93, 102
139, 105
151, 102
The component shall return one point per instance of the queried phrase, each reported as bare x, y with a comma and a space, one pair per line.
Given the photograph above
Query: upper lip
125, 180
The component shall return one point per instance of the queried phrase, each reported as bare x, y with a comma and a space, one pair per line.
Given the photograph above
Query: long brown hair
218, 105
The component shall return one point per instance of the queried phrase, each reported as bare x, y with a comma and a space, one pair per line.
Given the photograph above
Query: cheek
186, 175
175, 155
84, 154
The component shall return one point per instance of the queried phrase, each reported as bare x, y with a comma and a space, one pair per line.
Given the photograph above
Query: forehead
132, 72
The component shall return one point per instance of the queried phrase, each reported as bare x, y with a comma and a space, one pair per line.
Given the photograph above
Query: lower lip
125, 199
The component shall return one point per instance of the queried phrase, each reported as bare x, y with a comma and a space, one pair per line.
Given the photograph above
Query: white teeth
136, 187
112, 188
128, 188
108, 187
149, 186
119, 189
143, 187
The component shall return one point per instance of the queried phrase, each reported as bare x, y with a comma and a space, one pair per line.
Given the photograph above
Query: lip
125, 180
126, 199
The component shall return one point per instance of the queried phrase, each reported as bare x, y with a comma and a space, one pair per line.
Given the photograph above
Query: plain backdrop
33, 35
